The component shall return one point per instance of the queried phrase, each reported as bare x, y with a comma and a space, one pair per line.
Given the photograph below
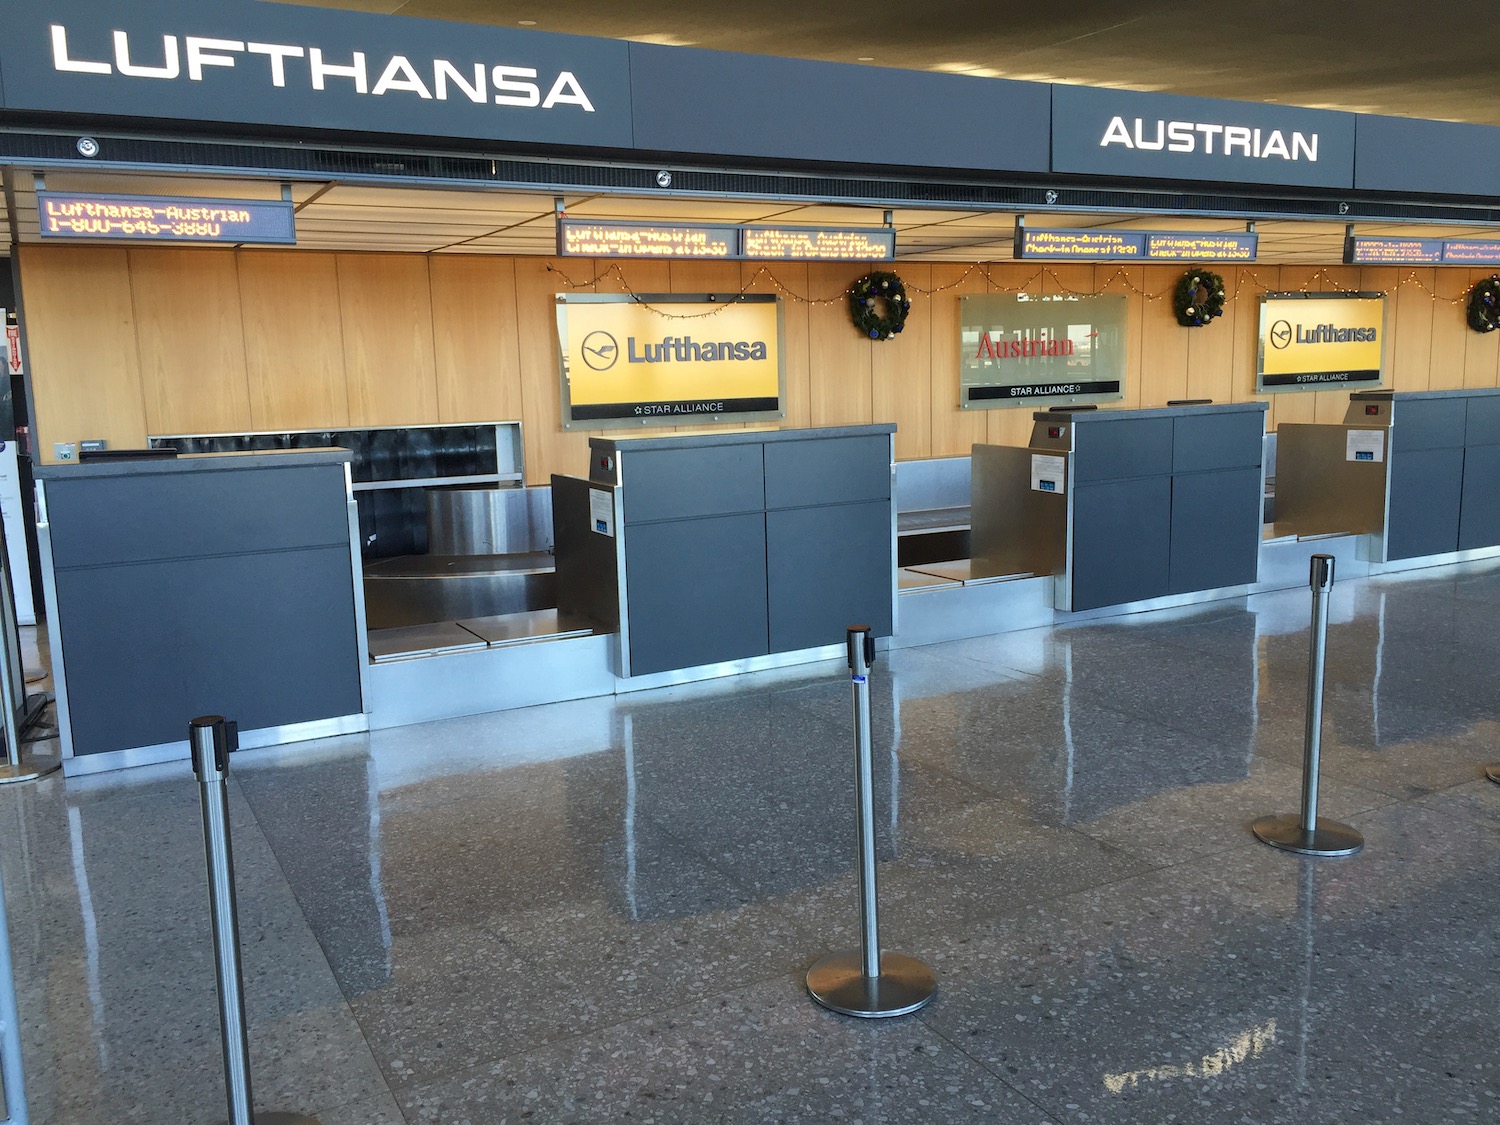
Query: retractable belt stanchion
18, 712
868, 981
209, 737
1311, 834
1494, 774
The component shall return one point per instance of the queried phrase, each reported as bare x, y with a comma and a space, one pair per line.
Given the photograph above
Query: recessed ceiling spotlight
527, 23
865, 58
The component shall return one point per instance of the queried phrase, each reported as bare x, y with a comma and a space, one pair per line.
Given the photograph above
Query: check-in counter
209, 584
1124, 506
1418, 472
729, 548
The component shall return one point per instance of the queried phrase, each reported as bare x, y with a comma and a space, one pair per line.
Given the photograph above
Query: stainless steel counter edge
737, 437
1082, 416
196, 463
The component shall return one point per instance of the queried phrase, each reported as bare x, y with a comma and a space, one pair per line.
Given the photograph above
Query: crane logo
600, 350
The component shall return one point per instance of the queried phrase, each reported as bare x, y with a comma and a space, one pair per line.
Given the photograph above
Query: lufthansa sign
1164, 136
278, 64
668, 359
1312, 341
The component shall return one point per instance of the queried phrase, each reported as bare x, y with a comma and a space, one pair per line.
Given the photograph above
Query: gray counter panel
831, 568
150, 646
697, 591
663, 484
1432, 423
1217, 441
1215, 529
1425, 489
1483, 422
828, 471
1121, 538
108, 520
1479, 522
1122, 447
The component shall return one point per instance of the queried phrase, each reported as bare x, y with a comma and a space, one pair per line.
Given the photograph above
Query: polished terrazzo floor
602, 911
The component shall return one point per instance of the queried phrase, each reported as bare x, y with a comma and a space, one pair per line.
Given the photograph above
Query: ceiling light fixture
527, 23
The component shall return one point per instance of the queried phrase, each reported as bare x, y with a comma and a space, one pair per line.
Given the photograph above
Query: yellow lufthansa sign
1320, 339
669, 359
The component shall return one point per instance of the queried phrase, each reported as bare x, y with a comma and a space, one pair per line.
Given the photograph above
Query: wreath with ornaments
1198, 298
878, 305
1484, 305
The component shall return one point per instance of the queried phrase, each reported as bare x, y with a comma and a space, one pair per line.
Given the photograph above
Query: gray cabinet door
1215, 530
1422, 504
1121, 533
829, 568
1479, 522
697, 591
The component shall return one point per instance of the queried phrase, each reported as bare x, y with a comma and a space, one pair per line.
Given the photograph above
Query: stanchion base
27, 771
276, 1118
1493, 773
838, 982
1329, 838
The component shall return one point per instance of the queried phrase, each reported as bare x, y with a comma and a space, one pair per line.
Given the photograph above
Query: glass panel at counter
1017, 350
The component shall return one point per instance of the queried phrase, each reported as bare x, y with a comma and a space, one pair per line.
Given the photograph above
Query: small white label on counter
602, 512
1047, 472
1365, 445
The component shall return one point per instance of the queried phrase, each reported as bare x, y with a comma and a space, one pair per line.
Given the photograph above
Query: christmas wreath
878, 305
1198, 298
1484, 305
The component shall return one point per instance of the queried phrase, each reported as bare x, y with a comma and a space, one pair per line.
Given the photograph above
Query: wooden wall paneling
87, 383
721, 279
901, 374
1449, 329
1330, 406
1164, 343
386, 305
1293, 406
1011, 425
635, 276
294, 342
1411, 311
549, 448
839, 358
1384, 279
793, 292
954, 431
1211, 348
1482, 349
1244, 353
191, 340
1129, 281
475, 339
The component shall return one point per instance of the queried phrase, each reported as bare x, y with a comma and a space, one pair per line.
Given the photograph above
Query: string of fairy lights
1250, 285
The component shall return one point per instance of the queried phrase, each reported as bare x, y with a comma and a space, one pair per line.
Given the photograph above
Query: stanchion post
870, 982
12, 699
208, 737
1309, 833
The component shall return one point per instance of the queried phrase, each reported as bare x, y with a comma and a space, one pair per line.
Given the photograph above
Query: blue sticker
859, 679
1364, 455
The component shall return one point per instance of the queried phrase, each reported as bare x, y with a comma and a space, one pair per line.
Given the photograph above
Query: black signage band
1303, 378
677, 407
1039, 390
